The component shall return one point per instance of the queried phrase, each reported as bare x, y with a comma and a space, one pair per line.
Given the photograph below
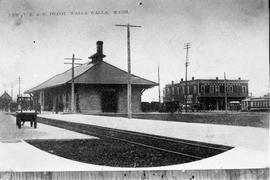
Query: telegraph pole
159, 100
128, 26
11, 93
225, 90
73, 106
19, 79
186, 46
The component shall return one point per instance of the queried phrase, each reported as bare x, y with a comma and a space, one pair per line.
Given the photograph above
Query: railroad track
194, 150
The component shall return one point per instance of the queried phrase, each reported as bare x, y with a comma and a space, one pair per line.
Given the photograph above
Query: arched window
202, 88
230, 89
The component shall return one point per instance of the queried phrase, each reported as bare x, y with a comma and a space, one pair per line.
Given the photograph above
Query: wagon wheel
18, 122
35, 123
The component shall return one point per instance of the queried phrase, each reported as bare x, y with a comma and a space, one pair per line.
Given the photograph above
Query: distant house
5, 95
209, 93
99, 87
5, 100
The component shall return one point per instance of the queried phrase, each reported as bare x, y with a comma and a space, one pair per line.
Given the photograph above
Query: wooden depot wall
90, 99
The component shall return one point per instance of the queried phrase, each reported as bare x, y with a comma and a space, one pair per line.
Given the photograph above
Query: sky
229, 36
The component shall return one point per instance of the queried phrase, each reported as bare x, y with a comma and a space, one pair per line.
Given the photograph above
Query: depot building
99, 87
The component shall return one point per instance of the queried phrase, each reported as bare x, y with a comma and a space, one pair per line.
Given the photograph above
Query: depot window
211, 89
244, 89
231, 89
217, 88
178, 90
195, 89
202, 89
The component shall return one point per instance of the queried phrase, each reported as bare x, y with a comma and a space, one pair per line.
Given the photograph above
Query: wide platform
250, 152
236, 136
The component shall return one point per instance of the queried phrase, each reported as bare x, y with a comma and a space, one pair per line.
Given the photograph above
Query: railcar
256, 104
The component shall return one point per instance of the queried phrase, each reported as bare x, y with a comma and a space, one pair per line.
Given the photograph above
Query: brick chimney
216, 78
239, 78
98, 56
192, 78
99, 47
181, 79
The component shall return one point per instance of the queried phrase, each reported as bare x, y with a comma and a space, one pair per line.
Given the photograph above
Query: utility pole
19, 79
186, 46
225, 90
129, 67
11, 93
73, 105
159, 100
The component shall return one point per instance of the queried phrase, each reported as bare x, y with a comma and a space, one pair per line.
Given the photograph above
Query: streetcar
256, 104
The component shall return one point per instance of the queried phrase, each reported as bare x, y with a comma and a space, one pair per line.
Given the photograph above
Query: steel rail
161, 138
155, 137
128, 141
132, 133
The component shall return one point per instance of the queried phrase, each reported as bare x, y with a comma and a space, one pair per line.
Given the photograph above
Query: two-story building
210, 93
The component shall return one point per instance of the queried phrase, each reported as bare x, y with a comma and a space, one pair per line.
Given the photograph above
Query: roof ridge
87, 63
131, 73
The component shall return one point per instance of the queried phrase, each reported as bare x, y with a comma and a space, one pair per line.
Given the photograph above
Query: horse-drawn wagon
27, 111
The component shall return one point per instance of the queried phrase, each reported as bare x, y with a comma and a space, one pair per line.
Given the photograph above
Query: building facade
99, 87
209, 93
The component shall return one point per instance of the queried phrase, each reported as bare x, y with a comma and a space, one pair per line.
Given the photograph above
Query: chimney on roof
239, 78
98, 56
192, 78
181, 79
99, 47
172, 82
216, 78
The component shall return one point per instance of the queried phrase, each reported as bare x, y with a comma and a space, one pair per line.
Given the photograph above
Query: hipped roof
90, 73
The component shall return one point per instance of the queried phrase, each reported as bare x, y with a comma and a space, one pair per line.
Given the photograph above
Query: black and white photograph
134, 89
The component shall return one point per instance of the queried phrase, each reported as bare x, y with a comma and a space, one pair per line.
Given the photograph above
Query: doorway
109, 101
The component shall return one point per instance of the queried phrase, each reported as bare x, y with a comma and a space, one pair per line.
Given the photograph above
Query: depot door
109, 101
